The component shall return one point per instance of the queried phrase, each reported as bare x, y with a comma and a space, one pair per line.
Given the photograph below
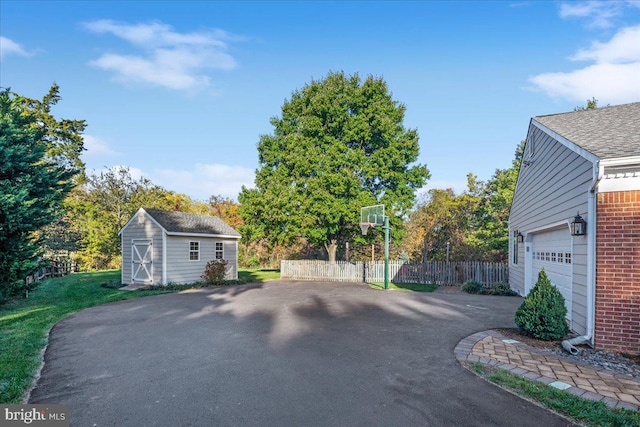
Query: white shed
161, 247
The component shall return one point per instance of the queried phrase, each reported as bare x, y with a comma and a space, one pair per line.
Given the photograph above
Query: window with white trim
219, 250
515, 247
194, 251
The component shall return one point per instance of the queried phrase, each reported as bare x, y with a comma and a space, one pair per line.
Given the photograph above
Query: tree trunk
331, 248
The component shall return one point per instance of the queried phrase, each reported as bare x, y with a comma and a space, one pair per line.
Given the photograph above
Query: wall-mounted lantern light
578, 226
520, 237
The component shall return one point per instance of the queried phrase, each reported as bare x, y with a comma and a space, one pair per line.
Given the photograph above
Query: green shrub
542, 313
503, 289
214, 272
112, 284
172, 287
473, 287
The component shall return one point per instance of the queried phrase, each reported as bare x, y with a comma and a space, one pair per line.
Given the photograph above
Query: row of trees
339, 144
468, 226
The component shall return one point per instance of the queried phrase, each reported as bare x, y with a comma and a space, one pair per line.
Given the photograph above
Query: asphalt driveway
280, 354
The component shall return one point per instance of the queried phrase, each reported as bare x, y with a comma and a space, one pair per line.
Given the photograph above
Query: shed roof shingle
607, 132
180, 222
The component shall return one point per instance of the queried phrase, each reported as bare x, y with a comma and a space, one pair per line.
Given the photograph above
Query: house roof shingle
607, 132
180, 222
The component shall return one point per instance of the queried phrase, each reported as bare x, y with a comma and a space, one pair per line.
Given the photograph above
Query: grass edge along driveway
25, 323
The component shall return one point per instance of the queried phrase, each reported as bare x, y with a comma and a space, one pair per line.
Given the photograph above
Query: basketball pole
386, 252
365, 223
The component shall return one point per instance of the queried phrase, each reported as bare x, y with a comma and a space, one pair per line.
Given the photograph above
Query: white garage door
552, 251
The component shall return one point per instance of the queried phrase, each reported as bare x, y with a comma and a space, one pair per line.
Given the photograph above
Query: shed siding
145, 230
182, 270
551, 190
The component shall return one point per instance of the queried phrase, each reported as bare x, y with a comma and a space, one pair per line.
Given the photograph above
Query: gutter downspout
569, 345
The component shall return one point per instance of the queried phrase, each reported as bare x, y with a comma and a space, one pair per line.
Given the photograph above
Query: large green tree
339, 144
32, 187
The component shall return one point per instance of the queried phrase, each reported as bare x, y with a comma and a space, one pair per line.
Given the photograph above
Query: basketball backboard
372, 215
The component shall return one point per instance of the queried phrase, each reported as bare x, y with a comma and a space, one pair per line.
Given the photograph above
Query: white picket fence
436, 272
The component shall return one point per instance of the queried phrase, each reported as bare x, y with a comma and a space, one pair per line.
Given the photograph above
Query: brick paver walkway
492, 348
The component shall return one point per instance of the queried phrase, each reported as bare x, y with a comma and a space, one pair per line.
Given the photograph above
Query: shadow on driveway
280, 353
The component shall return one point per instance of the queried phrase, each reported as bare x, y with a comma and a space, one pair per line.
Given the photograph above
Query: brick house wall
617, 322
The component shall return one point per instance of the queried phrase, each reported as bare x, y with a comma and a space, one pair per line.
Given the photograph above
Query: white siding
143, 229
551, 190
181, 270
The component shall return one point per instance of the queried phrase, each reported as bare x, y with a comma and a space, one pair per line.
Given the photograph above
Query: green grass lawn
406, 287
582, 411
24, 323
257, 275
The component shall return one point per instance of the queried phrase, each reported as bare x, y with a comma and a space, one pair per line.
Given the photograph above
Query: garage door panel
552, 252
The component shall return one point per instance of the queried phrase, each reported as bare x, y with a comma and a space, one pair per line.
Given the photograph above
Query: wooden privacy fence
436, 272
52, 269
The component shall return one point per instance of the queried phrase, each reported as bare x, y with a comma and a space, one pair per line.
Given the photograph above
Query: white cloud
599, 14
9, 47
96, 149
613, 79
609, 83
623, 47
163, 56
205, 180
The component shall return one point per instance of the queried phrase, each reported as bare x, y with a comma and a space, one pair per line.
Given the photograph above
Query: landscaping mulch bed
616, 362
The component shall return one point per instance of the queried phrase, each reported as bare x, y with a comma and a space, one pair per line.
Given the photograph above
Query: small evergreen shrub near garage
542, 313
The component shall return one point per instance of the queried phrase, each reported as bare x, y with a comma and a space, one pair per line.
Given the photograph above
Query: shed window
219, 250
194, 251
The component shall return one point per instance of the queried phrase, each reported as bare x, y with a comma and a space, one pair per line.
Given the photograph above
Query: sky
180, 92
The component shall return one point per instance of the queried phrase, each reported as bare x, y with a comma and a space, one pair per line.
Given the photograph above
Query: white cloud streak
96, 149
598, 14
163, 56
205, 180
612, 79
624, 47
9, 47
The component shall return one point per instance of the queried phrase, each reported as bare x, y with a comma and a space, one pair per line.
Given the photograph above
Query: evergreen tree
32, 188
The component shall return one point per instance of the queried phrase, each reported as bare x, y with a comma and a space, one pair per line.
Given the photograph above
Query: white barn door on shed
141, 261
552, 251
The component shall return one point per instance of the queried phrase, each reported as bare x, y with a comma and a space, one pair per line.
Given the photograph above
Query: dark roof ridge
190, 223
608, 133
587, 111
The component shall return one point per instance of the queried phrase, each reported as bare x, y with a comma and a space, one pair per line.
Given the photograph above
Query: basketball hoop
364, 227
372, 216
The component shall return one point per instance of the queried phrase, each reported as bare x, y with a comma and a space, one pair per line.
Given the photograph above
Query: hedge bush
503, 289
542, 313
214, 272
474, 287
